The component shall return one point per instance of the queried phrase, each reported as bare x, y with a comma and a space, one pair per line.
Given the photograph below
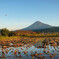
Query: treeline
6, 32
23, 33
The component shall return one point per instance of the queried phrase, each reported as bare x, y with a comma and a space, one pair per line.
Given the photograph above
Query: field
29, 47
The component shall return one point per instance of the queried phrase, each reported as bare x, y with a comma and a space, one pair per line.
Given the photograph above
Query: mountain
53, 29
37, 26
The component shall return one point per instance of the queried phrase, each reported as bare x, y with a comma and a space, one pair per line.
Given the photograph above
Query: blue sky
17, 14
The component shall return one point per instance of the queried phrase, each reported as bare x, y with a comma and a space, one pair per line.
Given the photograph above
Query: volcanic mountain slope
53, 29
37, 26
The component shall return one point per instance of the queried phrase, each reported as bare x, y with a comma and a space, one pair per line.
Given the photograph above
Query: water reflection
30, 52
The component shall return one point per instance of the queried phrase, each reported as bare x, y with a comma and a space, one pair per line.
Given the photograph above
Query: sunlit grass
7, 38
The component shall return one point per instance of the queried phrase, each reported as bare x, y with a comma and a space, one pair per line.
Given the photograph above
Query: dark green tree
5, 32
11, 33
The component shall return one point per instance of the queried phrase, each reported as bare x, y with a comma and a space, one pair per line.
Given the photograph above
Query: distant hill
41, 27
53, 29
37, 26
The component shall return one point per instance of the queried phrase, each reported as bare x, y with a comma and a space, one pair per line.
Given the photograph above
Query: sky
18, 14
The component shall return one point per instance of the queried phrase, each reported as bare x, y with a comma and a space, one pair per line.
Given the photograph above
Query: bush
5, 32
11, 33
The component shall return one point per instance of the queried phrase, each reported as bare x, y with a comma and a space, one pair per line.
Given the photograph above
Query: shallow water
31, 50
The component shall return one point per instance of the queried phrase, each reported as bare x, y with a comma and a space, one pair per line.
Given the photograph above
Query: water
30, 50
